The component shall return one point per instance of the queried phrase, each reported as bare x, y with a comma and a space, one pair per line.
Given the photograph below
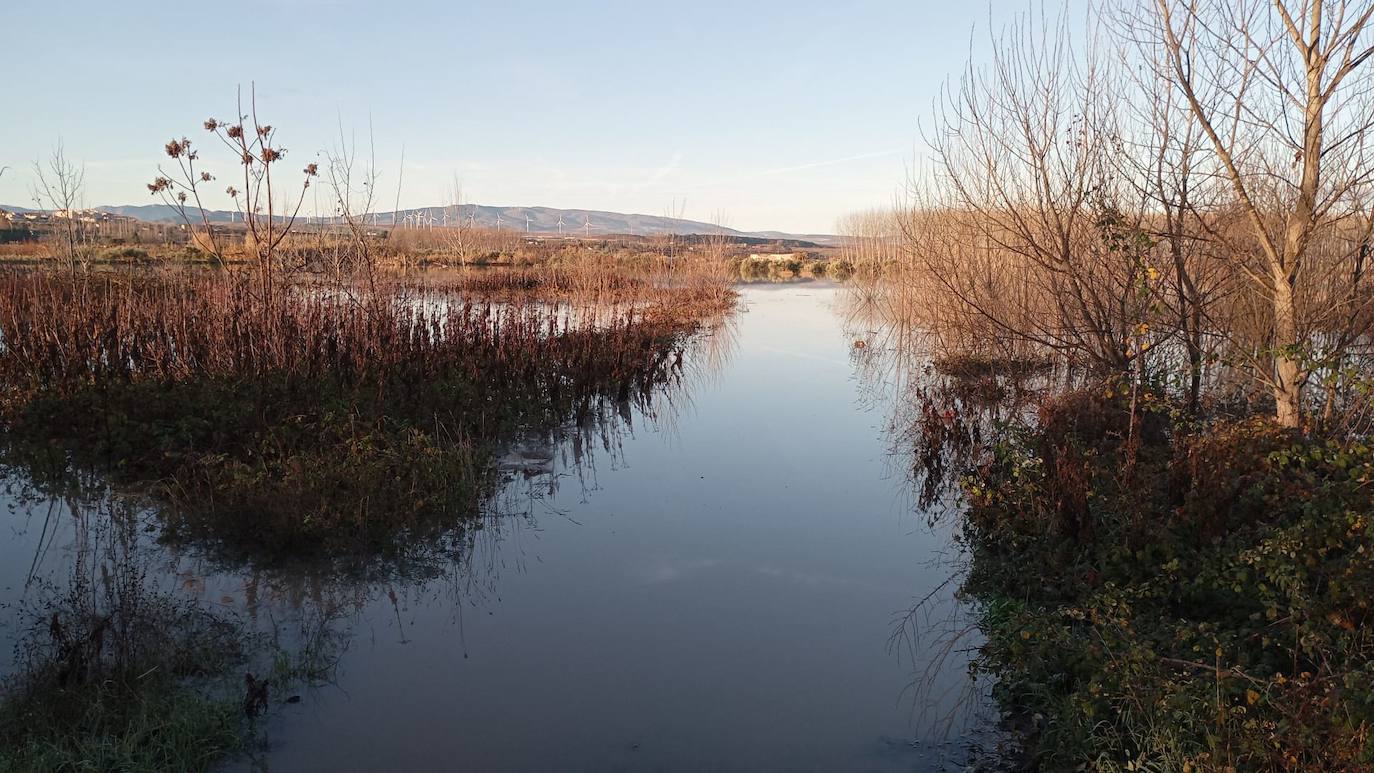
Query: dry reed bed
282, 419
60, 332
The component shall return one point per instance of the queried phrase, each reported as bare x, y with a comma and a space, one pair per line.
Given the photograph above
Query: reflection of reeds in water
117, 665
943, 407
942, 411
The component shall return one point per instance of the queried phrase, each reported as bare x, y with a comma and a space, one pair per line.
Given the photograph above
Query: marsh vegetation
349, 425
1130, 293
1121, 332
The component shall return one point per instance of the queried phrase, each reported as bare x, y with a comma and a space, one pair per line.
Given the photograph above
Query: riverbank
1162, 593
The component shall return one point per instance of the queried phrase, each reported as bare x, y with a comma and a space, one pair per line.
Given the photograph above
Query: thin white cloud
831, 162
798, 168
673, 165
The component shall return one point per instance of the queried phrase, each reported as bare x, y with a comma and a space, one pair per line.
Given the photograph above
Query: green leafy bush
1159, 595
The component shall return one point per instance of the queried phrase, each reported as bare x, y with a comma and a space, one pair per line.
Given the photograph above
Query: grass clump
123, 253
113, 675
1160, 593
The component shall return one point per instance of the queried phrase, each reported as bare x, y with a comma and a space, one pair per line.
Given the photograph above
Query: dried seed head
176, 148
159, 184
205, 177
235, 131
232, 191
312, 170
211, 124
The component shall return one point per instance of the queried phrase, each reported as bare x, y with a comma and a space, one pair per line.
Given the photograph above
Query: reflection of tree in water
941, 412
941, 415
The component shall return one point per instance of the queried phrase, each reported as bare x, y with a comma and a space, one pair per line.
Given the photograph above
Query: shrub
1174, 596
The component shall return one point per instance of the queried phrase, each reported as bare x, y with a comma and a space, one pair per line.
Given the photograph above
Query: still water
715, 584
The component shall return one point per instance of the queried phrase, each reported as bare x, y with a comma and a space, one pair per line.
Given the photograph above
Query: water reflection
704, 579
942, 415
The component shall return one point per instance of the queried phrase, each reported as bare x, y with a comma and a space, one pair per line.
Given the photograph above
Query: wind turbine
498, 221
560, 225
587, 227
527, 223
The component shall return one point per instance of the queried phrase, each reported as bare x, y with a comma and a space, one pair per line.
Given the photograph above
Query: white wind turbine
498, 221
527, 222
587, 227
560, 225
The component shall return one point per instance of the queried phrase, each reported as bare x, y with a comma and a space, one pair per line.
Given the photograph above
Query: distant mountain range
534, 220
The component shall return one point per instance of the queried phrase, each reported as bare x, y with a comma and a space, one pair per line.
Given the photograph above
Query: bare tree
461, 236
59, 188
1281, 91
353, 184
872, 238
1164, 158
1021, 217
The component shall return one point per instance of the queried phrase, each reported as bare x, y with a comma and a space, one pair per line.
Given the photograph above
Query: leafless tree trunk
1281, 92
59, 188
355, 192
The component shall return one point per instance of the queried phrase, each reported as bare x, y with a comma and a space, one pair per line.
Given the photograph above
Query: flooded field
713, 580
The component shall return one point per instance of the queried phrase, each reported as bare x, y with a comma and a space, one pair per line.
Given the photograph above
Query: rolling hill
534, 220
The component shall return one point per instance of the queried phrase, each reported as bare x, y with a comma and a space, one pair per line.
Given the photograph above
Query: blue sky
770, 115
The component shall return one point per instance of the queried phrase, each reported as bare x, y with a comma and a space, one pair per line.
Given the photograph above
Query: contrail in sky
799, 168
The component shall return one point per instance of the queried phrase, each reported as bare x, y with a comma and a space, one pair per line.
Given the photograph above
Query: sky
758, 115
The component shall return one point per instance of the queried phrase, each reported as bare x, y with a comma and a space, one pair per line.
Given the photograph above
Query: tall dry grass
61, 331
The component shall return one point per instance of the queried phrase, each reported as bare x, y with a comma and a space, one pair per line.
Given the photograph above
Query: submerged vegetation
116, 668
113, 672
